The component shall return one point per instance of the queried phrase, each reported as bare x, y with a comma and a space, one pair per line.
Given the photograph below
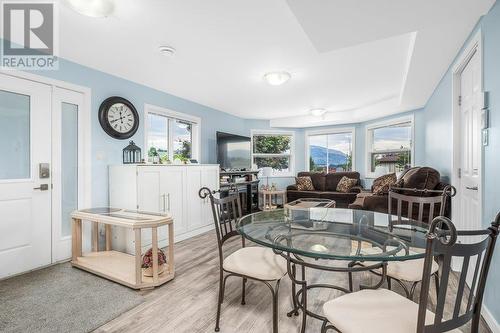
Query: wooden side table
268, 196
121, 267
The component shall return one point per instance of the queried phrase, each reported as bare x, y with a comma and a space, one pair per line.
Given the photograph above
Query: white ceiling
359, 59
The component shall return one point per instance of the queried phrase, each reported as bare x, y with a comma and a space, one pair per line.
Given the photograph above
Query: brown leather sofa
325, 187
420, 178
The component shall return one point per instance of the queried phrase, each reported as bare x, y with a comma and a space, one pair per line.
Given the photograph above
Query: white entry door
470, 145
25, 195
67, 166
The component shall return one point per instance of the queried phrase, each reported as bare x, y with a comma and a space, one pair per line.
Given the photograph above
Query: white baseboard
490, 320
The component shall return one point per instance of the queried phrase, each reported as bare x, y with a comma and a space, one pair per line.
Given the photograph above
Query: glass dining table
335, 240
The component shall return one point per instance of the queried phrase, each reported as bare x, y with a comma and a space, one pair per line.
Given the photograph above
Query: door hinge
460, 100
137, 206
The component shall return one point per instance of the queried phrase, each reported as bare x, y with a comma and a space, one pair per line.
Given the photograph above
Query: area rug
61, 299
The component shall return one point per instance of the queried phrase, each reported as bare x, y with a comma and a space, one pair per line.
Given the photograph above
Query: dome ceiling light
92, 8
167, 51
277, 78
319, 112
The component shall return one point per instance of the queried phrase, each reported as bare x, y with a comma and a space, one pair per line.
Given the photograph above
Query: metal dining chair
411, 210
385, 311
255, 263
405, 212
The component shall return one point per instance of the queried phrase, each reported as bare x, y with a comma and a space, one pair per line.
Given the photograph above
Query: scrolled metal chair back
226, 213
442, 241
434, 205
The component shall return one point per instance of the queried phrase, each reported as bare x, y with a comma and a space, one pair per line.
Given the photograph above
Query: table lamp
267, 172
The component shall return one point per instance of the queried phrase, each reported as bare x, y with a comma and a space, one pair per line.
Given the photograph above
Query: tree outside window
272, 150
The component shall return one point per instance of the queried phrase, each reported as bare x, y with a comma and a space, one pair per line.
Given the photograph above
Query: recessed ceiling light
168, 51
277, 78
92, 8
317, 112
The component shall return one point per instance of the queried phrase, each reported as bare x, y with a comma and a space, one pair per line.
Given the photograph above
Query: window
171, 135
330, 150
273, 149
390, 147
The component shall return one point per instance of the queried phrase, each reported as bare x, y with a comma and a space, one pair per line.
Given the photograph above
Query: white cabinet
163, 188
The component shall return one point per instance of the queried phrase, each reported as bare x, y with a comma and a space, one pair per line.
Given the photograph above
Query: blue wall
438, 119
106, 150
360, 152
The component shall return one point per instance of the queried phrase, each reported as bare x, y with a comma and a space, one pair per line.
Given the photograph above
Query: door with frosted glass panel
67, 166
25, 184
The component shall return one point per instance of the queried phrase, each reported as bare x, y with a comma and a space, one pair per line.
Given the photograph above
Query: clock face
118, 118
121, 118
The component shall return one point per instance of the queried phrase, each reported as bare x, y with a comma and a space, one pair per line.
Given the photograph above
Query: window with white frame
273, 149
170, 135
389, 146
330, 150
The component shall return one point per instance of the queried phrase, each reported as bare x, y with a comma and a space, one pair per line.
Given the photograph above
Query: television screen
233, 151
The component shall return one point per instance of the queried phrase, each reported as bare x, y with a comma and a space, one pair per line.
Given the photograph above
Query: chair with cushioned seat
384, 311
426, 208
255, 263
409, 272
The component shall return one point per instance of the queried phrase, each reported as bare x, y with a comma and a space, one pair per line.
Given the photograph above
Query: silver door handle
164, 206
168, 198
43, 187
473, 188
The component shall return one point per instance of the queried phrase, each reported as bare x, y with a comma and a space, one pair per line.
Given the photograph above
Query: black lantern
131, 154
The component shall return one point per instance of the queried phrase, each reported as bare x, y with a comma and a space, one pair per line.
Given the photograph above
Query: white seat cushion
257, 262
375, 311
408, 270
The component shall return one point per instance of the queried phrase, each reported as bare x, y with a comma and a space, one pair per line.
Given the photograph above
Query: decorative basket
147, 262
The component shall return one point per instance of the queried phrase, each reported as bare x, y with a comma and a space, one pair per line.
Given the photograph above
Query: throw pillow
382, 184
345, 184
304, 183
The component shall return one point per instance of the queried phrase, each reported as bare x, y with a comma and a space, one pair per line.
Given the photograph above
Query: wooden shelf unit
117, 266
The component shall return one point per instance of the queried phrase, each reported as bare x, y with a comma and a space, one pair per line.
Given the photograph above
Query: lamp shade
267, 171
381, 170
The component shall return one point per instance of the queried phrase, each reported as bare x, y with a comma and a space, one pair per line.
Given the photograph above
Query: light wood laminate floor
188, 303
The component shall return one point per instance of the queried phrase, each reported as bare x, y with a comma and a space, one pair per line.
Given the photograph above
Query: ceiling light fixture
277, 78
317, 112
167, 51
92, 8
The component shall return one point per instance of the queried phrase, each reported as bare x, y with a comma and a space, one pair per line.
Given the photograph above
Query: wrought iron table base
299, 298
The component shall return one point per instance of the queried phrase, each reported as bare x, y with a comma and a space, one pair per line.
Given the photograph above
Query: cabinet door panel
210, 179
149, 198
149, 193
173, 180
193, 201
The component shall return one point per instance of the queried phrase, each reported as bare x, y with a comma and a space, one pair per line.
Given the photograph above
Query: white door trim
475, 46
85, 127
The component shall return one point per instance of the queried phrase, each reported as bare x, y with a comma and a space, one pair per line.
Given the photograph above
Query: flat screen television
233, 151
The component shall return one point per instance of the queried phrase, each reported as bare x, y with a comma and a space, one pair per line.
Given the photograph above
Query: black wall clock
118, 118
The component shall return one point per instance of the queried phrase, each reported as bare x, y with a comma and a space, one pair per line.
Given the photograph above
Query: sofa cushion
294, 195
304, 183
338, 196
317, 178
421, 178
345, 184
382, 184
332, 179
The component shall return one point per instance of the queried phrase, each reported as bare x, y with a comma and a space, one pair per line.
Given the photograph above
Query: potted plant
147, 262
153, 155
